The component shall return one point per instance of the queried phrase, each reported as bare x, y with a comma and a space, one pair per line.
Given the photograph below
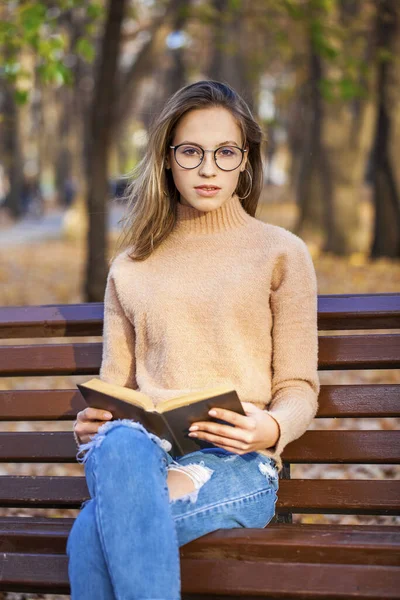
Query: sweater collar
229, 215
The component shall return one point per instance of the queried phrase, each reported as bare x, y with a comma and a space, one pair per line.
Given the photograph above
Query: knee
125, 441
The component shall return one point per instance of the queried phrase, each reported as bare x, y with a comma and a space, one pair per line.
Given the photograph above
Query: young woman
204, 294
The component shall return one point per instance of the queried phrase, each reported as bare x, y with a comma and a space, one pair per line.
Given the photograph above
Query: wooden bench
284, 560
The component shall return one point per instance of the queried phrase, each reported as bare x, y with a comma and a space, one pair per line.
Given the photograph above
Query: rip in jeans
198, 473
268, 470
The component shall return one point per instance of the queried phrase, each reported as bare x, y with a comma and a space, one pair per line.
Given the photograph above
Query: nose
208, 168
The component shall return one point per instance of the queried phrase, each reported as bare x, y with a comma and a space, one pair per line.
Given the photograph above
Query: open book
171, 419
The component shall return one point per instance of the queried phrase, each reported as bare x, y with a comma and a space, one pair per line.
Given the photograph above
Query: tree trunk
347, 135
337, 141
229, 60
386, 152
11, 150
313, 178
99, 142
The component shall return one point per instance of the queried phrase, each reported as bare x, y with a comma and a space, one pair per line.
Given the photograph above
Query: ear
167, 162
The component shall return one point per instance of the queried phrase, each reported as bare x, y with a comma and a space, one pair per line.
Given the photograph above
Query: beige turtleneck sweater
225, 299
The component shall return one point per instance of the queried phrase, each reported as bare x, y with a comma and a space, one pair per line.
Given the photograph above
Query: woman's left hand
253, 432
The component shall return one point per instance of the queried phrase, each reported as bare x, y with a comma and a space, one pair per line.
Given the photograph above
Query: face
206, 187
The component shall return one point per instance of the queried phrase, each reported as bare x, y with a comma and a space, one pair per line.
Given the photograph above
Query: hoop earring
251, 185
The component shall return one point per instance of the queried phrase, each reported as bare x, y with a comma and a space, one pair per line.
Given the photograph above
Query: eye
190, 151
226, 151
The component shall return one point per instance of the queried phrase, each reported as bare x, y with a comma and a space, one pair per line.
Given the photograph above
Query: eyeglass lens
226, 157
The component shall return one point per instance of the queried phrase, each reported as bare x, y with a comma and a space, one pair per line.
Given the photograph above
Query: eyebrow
229, 142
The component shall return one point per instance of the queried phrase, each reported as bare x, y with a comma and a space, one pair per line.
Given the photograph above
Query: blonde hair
152, 197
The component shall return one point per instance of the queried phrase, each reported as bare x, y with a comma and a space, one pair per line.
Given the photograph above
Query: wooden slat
34, 573
359, 311
335, 352
40, 405
340, 544
50, 359
338, 311
51, 320
224, 579
360, 400
35, 534
372, 447
339, 496
243, 579
51, 447
296, 495
352, 447
368, 401
372, 351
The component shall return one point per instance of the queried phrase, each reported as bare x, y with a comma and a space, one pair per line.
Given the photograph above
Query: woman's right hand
88, 422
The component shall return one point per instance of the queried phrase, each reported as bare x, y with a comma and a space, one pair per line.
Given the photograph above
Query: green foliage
384, 55
35, 32
328, 37
85, 49
234, 5
21, 96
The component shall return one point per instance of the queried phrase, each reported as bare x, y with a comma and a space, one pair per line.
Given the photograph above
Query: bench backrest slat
358, 400
341, 311
378, 351
373, 447
296, 495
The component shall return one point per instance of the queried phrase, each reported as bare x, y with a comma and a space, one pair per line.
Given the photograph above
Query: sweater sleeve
118, 363
295, 382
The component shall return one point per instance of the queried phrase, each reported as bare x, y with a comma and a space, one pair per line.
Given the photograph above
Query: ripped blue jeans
124, 544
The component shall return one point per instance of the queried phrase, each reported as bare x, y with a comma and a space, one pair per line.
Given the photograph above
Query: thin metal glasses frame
242, 150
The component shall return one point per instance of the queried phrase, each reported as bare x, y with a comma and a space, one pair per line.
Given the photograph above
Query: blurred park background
80, 81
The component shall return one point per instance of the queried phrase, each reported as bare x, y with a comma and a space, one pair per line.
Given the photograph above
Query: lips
207, 187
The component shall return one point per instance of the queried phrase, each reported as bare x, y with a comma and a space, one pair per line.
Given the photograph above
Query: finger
88, 428
233, 417
225, 431
93, 414
216, 439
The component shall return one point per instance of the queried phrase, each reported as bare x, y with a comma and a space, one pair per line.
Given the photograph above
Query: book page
121, 393
191, 398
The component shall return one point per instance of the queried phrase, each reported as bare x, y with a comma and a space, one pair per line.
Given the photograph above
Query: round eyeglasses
190, 156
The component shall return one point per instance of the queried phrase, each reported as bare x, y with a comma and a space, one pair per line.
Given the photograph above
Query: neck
229, 215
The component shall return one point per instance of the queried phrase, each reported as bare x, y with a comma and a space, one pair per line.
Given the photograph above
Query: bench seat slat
352, 447
336, 543
339, 311
225, 578
378, 351
368, 401
248, 579
295, 495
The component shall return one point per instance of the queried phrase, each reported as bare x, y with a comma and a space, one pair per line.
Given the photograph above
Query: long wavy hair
151, 197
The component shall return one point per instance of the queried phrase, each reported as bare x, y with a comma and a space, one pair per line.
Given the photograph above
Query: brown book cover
171, 419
